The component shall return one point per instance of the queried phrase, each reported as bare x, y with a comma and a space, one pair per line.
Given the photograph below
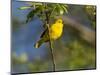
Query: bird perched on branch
54, 32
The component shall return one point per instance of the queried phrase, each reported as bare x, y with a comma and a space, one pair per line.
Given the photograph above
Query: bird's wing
45, 36
44, 33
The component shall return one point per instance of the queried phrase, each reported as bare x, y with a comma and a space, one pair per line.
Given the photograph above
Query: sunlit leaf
34, 3
61, 9
24, 7
65, 9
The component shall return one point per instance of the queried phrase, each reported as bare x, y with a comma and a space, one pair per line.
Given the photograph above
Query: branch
50, 41
51, 48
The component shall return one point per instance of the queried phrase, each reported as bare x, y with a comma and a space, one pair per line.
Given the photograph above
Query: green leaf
65, 5
60, 9
65, 8
30, 15
24, 7
34, 3
61, 12
36, 12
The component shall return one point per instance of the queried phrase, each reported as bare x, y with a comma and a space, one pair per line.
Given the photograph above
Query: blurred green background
71, 51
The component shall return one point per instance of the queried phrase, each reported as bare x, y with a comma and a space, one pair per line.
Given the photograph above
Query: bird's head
59, 21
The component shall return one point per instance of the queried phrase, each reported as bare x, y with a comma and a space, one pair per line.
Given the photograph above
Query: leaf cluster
39, 9
91, 12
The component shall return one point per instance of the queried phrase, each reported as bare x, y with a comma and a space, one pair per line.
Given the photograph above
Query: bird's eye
59, 21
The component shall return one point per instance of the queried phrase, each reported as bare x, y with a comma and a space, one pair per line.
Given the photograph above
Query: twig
50, 41
51, 48
52, 11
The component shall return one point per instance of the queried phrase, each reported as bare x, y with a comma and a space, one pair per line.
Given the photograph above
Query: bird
55, 32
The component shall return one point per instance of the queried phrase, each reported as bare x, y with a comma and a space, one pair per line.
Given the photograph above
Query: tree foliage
75, 54
40, 9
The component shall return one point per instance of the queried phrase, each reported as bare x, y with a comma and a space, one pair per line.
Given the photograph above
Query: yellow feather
56, 30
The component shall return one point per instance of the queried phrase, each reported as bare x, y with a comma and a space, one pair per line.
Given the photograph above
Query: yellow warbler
55, 31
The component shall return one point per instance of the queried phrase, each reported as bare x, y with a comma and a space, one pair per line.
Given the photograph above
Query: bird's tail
38, 44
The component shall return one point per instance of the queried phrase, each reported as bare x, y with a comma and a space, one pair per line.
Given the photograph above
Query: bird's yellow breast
56, 31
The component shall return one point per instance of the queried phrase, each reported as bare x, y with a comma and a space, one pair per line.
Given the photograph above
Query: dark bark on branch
50, 41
